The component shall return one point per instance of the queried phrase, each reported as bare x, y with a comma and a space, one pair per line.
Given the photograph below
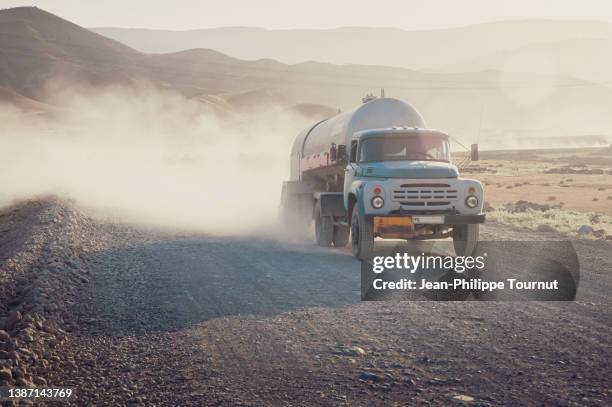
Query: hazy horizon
410, 15
340, 27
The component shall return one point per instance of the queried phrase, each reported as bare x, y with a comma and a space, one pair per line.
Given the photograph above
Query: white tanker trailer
377, 171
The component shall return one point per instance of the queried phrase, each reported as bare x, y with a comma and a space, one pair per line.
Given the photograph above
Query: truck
377, 171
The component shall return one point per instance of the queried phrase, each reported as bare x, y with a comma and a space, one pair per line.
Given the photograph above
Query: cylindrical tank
313, 144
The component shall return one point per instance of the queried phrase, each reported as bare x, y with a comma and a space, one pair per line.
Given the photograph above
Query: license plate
393, 221
428, 219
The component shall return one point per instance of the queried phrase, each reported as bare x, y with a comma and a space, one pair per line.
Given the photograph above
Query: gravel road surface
167, 318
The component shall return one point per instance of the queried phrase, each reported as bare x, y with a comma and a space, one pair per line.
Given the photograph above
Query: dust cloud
151, 156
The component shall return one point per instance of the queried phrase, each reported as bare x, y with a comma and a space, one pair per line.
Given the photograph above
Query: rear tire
341, 236
465, 239
362, 236
324, 228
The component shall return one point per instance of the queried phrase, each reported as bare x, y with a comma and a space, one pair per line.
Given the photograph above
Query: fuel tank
310, 151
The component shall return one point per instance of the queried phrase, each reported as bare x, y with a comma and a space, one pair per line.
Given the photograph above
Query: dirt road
179, 319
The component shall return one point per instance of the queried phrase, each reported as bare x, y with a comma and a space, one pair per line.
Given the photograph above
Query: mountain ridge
413, 49
52, 55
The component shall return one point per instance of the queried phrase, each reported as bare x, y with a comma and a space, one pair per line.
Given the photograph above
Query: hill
42, 48
36, 46
421, 50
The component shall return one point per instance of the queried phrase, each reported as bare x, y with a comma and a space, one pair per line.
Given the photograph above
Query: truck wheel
465, 239
362, 236
324, 228
341, 236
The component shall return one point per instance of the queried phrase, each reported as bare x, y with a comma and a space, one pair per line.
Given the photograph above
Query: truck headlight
471, 201
377, 202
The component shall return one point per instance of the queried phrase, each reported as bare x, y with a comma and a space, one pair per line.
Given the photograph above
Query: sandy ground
163, 318
522, 175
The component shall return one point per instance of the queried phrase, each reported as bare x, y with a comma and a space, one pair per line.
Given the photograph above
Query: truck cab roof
397, 131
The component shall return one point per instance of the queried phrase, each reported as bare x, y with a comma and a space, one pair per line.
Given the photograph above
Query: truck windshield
407, 147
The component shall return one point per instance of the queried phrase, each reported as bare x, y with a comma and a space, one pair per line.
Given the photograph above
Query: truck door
350, 171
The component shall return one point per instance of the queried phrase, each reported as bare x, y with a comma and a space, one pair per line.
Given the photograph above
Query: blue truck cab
377, 171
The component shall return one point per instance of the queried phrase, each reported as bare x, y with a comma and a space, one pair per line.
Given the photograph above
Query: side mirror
333, 153
474, 152
341, 156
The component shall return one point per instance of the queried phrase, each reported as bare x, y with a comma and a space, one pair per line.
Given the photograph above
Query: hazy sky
407, 14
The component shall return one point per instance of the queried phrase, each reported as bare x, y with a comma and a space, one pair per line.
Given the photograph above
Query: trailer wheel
465, 239
341, 236
362, 235
324, 228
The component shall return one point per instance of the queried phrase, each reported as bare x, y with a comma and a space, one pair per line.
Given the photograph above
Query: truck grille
425, 195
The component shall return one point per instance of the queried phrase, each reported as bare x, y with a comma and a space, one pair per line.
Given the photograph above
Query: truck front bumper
408, 226
444, 219
464, 219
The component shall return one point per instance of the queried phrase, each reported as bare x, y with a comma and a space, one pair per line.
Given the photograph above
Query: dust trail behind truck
378, 171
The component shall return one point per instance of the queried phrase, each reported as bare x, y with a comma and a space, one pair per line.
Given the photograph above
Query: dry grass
580, 199
564, 221
523, 176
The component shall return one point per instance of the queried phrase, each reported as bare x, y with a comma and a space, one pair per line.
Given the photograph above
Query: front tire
465, 239
362, 236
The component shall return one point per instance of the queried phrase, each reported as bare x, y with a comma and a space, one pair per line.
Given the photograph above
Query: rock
48, 328
4, 336
135, 401
585, 230
4, 355
409, 381
14, 356
22, 381
12, 319
544, 228
600, 233
463, 397
351, 351
373, 377
524, 206
5, 374
18, 372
